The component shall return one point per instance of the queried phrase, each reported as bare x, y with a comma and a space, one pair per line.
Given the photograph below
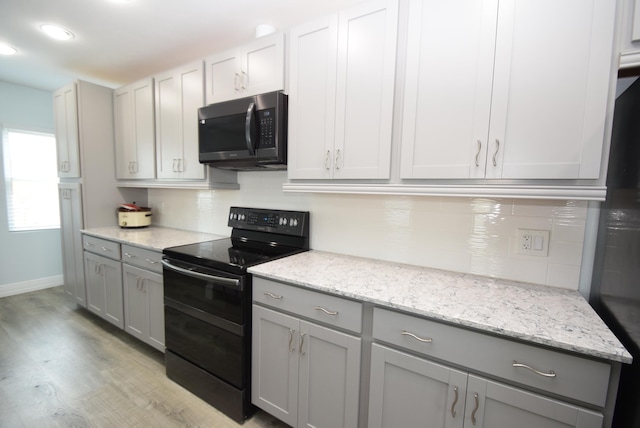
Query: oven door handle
225, 281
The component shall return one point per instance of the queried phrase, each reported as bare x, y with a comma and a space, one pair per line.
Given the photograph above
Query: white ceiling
120, 41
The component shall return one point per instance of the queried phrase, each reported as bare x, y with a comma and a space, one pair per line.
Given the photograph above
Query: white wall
28, 260
474, 235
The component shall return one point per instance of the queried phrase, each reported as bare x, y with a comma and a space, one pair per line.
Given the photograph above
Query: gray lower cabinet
143, 305
143, 295
303, 373
103, 277
406, 390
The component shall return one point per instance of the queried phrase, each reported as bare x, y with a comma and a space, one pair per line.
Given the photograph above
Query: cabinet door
192, 98
491, 404
179, 94
143, 129
136, 304
274, 364
72, 254
123, 132
447, 94
263, 65
104, 288
329, 385
407, 391
551, 83
154, 289
65, 103
312, 80
365, 88
95, 281
223, 78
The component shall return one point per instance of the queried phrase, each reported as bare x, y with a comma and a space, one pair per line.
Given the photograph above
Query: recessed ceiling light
56, 32
7, 50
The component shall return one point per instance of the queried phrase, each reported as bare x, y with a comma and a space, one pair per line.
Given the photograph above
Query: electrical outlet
533, 242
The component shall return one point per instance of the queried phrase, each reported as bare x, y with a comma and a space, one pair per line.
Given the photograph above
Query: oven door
207, 320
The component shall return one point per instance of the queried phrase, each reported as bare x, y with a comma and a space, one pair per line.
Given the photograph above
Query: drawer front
323, 308
140, 257
100, 246
567, 375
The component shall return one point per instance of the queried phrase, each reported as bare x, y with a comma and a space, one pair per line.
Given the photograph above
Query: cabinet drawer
571, 376
320, 307
100, 246
145, 259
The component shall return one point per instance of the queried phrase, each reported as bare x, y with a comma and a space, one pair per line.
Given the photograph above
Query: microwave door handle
249, 126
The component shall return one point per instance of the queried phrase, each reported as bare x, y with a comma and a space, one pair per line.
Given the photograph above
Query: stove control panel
275, 221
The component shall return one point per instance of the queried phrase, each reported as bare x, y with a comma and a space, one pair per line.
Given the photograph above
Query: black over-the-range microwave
245, 134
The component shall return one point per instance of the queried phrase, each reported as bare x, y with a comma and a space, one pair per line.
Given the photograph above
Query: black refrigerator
615, 288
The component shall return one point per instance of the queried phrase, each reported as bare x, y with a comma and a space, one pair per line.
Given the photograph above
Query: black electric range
207, 297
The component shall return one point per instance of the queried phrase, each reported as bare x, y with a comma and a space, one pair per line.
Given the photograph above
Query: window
31, 179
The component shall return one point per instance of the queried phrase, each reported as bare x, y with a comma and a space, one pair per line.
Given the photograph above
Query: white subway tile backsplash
475, 235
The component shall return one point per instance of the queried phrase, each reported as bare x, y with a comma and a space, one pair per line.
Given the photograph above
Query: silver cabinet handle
320, 308
129, 255
338, 159
427, 340
473, 414
301, 343
496, 152
153, 262
455, 401
524, 366
244, 74
478, 153
88, 244
273, 296
235, 82
327, 160
291, 347
105, 249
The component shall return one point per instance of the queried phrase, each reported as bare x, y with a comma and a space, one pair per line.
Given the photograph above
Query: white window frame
52, 220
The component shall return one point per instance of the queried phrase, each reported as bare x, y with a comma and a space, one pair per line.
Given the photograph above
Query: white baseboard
32, 285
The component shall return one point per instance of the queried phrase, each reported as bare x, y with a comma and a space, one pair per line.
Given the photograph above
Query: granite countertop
152, 237
549, 316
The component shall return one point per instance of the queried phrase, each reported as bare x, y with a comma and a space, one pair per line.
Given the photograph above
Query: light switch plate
532, 242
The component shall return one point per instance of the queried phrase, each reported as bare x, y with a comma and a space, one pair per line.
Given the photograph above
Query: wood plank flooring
60, 366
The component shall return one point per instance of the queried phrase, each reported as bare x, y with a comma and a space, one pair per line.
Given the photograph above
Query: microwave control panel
276, 221
267, 126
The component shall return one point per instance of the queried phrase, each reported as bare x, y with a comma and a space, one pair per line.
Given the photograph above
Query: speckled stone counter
152, 237
543, 315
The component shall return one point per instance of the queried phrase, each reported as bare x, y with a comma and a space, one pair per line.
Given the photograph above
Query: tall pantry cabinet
88, 194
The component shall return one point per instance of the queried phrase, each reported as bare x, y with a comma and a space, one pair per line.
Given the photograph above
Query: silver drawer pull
524, 366
320, 308
455, 401
128, 255
105, 249
153, 262
89, 244
427, 340
475, 409
273, 296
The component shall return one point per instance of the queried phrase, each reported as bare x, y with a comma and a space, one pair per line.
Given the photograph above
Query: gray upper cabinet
178, 95
135, 130
341, 94
480, 104
253, 68
65, 108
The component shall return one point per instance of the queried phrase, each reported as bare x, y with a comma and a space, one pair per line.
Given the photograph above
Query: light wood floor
60, 366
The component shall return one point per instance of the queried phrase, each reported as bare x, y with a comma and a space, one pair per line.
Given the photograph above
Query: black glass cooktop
229, 254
